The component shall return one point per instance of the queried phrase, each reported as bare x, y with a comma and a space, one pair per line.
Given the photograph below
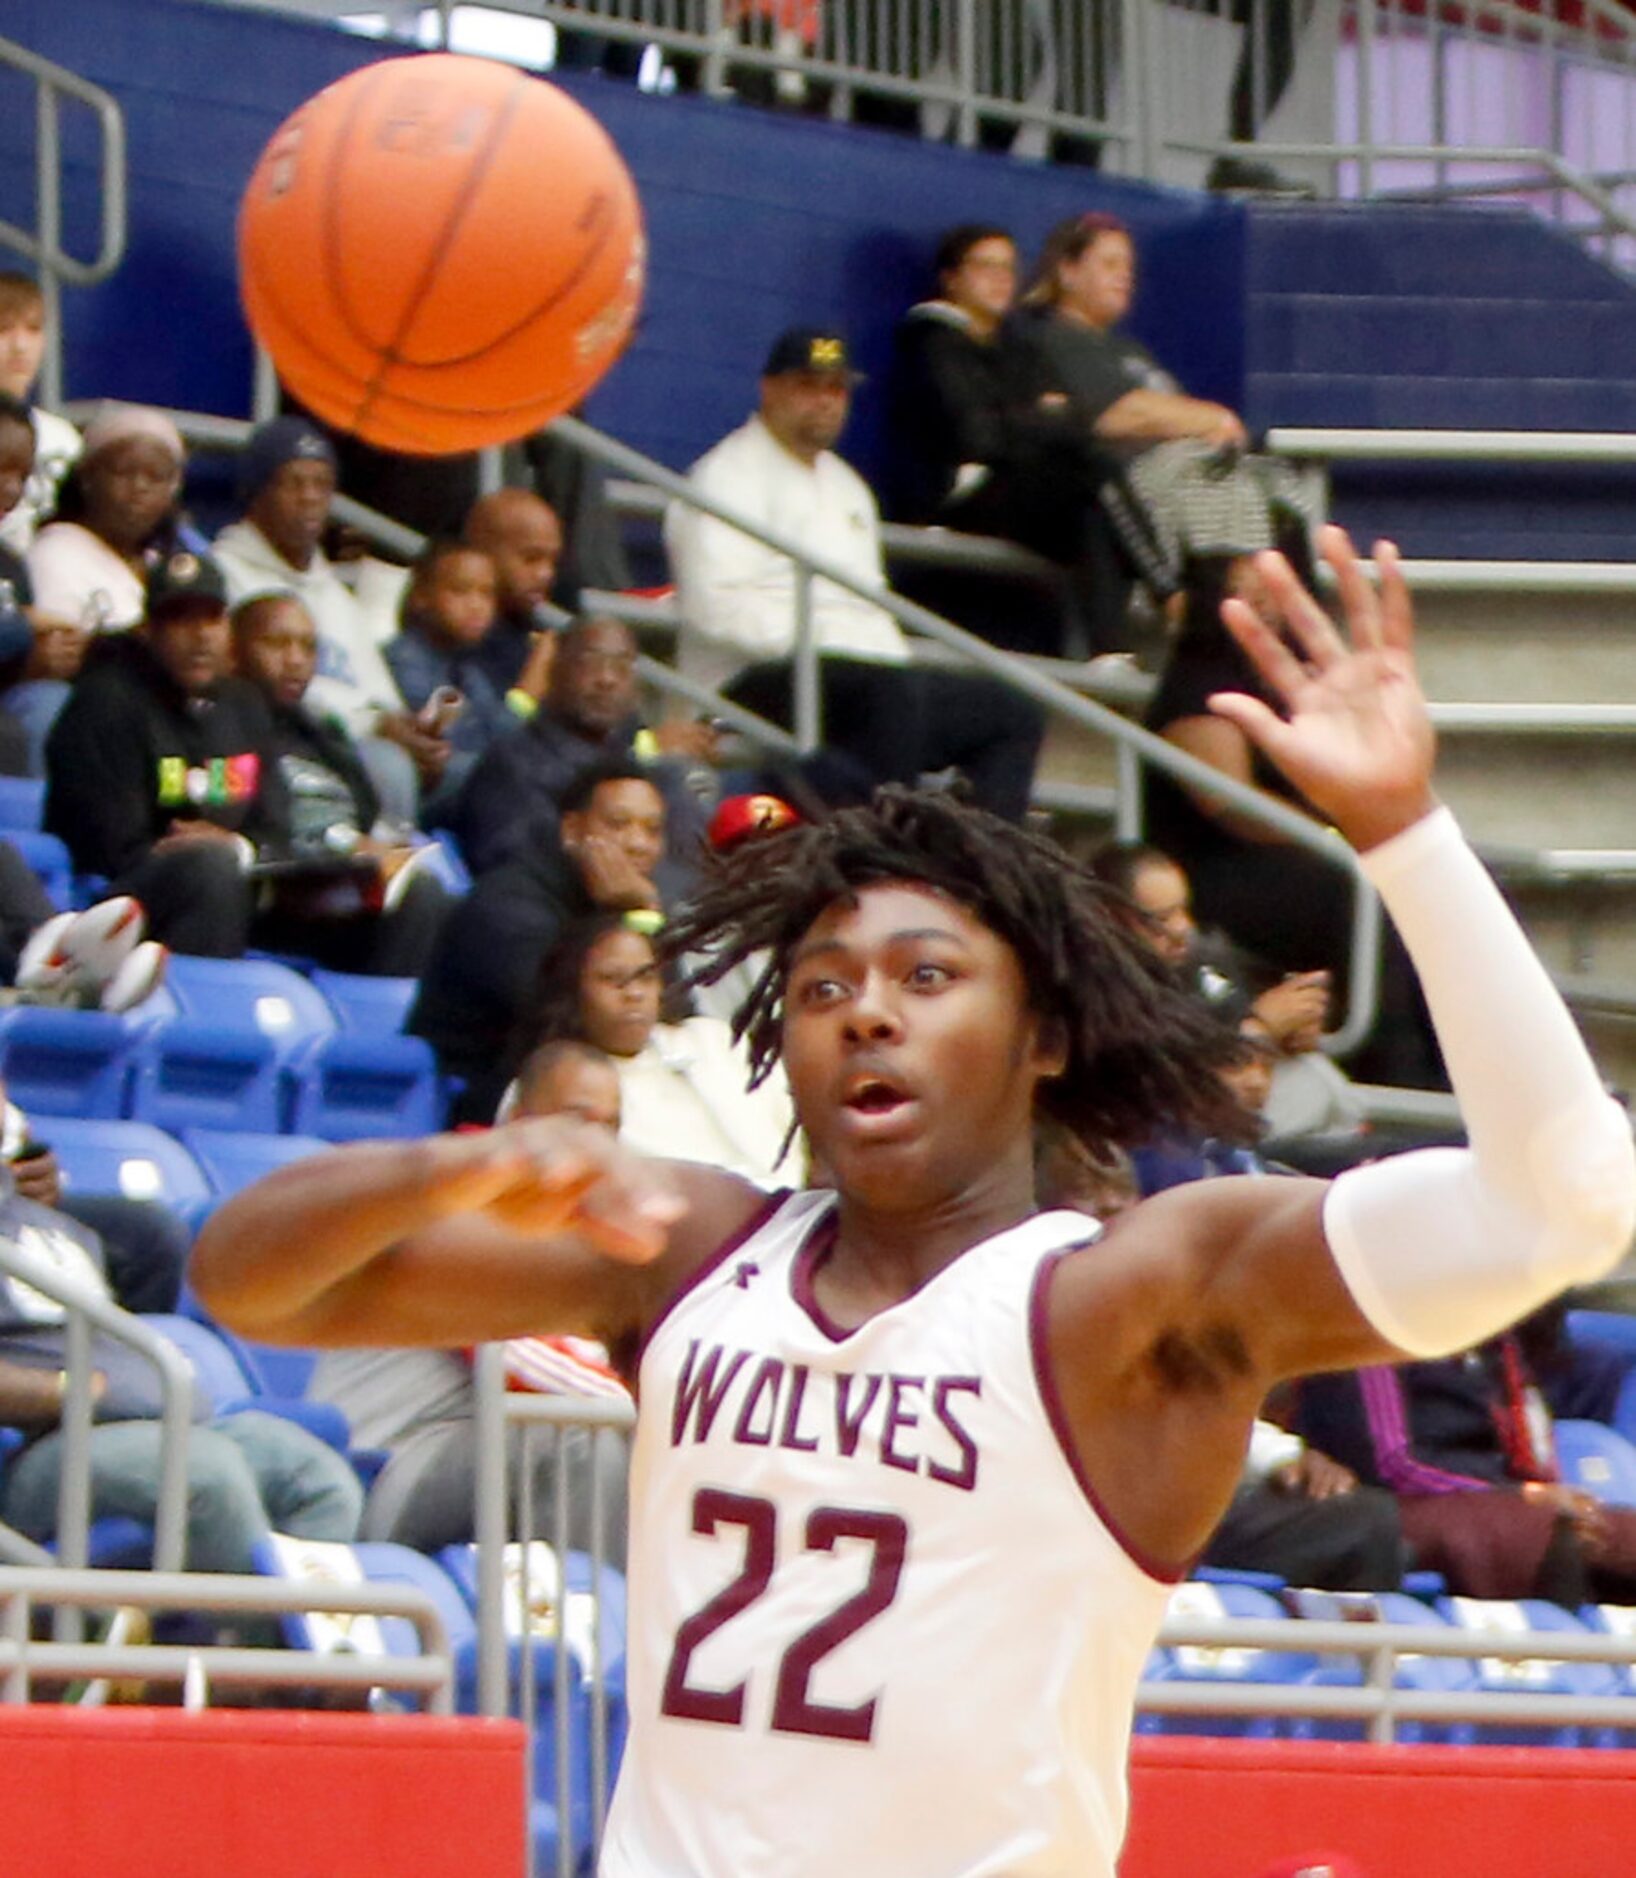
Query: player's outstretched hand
555, 1175
1355, 738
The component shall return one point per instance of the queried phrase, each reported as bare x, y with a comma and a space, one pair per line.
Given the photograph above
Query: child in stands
449, 611
23, 339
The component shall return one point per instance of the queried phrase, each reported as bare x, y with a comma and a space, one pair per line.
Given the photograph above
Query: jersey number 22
794, 1711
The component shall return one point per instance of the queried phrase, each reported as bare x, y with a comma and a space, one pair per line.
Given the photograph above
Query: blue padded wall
1448, 318
757, 221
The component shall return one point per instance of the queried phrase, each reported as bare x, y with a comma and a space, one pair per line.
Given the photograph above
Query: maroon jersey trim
630, 1366
1056, 1415
811, 1253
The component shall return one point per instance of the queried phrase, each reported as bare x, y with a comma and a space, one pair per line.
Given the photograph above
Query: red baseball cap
1316, 1865
739, 816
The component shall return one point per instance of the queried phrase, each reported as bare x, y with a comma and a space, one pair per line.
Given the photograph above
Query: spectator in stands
1309, 1093
144, 1244
684, 1084
570, 1077
31, 650
509, 805
248, 1472
1308, 1520
1464, 1443
382, 918
884, 718
287, 481
1184, 457
117, 512
481, 983
574, 486
155, 773
56, 442
439, 662
523, 538
986, 443
1280, 902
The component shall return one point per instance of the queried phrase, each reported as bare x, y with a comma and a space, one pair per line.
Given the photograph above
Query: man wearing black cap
155, 770
287, 477
884, 719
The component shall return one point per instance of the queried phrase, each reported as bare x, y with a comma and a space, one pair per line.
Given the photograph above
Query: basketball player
915, 1464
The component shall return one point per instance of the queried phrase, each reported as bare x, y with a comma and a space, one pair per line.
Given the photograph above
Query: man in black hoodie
371, 919
156, 771
479, 992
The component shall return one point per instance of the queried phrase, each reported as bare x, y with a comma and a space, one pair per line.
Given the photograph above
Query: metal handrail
1378, 1701
1343, 444
430, 1674
85, 1311
44, 247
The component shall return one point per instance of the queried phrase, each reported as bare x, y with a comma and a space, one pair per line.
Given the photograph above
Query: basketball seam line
388, 353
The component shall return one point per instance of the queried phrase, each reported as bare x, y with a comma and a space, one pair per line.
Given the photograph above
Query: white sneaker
42, 965
137, 978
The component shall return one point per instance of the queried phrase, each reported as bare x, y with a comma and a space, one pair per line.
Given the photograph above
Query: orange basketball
441, 253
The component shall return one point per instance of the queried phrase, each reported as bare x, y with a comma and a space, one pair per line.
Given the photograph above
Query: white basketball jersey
877, 1628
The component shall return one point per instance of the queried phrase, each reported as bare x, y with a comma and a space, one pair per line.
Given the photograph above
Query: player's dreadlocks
1142, 1051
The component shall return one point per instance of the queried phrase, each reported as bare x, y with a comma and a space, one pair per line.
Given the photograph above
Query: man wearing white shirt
884, 718
288, 479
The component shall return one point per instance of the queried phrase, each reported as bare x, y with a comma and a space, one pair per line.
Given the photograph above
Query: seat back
1538, 1675
257, 994
233, 1157
22, 803
375, 1007
350, 1087
75, 1063
48, 859
1216, 1663
208, 1076
1597, 1458
133, 1159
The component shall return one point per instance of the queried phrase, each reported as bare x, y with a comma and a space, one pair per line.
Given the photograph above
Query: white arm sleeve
1443, 1247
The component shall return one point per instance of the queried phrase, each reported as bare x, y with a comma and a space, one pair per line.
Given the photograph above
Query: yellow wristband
645, 746
520, 704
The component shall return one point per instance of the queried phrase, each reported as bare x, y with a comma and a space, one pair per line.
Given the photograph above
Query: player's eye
928, 976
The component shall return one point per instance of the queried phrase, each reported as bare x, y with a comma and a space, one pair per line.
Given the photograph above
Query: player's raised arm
1436, 1249
541, 1225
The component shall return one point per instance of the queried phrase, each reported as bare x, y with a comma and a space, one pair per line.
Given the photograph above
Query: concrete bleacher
1384, 316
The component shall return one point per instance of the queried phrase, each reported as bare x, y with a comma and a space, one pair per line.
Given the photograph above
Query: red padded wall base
154, 1793
1229, 1809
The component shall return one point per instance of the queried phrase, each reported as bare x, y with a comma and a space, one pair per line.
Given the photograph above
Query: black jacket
959, 399
299, 734
481, 981
508, 807
132, 752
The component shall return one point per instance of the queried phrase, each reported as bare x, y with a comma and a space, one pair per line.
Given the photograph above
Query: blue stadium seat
351, 1087
375, 1007
375, 1562
257, 994
74, 1063
226, 1369
447, 864
207, 1076
22, 803
1537, 1676
1191, 1663
1432, 1674
48, 859
130, 1158
232, 1158
1597, 1458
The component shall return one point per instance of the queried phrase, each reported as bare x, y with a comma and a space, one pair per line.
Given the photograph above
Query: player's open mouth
876, 1104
